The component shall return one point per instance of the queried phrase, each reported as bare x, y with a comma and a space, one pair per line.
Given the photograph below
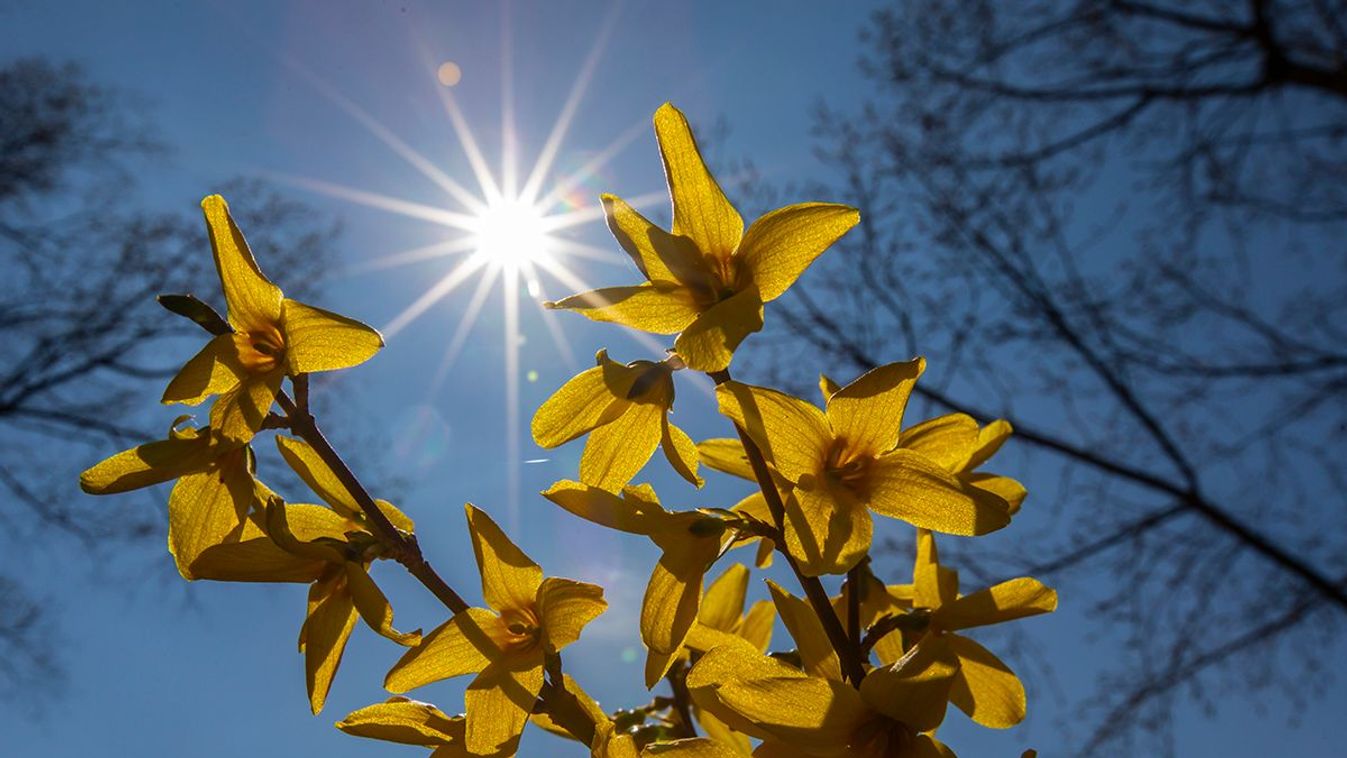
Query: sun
511, 234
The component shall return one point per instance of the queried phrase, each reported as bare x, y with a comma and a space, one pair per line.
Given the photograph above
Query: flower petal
592, 397
792, 434
933, 585
319, 340
869, 412
727, 663
756, 626
408, 722
1014, 599
681, 451
617, 451
915, 689
510, 579
239, 413
254, 302
315, 473
655, 308
907, 485
827, 529
565, 607
661, 256
213, 371
708, 343
374, 607
723, 603
627, 513
254, 557
205, 507
779, 246
948, 440
149, 464
331, 618
1004, 487
816, 715
498, 703
464, 644
990, 439
985, 688
726, 454
701, 210
816, 651
692, 747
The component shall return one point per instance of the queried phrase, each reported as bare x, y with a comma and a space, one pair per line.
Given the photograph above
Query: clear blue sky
211, 670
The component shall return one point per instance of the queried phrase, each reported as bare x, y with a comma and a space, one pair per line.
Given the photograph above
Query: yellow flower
691, 542
722, 614
795, 713
329, 546
409, 722
708, 279
273, 336
625, 411
212, 498
955, 442
846, 461
983, 687
505, 646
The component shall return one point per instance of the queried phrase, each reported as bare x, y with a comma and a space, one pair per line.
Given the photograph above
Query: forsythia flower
329, 546
690, 540
707, 279
530, 617
213, 496
625, 411
955, 442
893, 715
722, 614
846, 461
409, 722
273, 336
984, 687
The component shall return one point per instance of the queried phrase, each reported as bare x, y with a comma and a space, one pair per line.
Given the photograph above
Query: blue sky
277, 89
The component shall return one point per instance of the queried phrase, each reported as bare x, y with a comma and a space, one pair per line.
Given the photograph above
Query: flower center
522, 629
260, 350
848, 468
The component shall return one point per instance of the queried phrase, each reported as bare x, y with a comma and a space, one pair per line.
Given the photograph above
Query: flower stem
847, 652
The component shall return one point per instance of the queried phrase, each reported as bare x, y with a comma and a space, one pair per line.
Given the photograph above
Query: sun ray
563, 123
464, 328
590, 167
559, 338
576, 284
509, 155
595, 212
590, 252
407, 208
448, 283
415, 255
511, 282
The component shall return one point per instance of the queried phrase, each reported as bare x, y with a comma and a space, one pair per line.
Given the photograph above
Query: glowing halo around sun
511, 234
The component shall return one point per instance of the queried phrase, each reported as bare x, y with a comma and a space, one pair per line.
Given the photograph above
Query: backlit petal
325, 633
1006, 488
374, 607
948, 440
723, 603
239, 413
565, 607
205, 507
498, 703
254, 557
315, 473
660, 309
792, 434
933, 585
408, 722
726, 454
701, 210
827, 529
915, 689
628, 512
990, 439
708, 343
588, 399
510, 579
868, 412
214, 370
1014, 599
319, 340
149, 464
985, 688
681, 451
616, 451
734, 662
692, 747
661, 256
816, 651
779, 246
254, 302
907, 485
817, 715
462, 645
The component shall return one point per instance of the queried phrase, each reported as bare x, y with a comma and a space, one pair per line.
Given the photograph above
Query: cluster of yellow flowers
872, 668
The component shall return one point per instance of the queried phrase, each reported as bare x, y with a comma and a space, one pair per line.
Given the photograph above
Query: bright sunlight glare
511, 234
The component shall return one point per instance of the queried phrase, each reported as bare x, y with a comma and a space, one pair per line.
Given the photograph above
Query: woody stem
847, 652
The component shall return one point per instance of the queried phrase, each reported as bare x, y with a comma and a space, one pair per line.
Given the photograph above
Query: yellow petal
792, 434
915, 689
395, 516
575, 702
325, 633
254, 302
701, 211
708, 343
657, 664
408, 722
565, 607
985, 688
616, 451
756, 627
816, 651
498, 703
655, 308
205, 507
827, 387
661, 256
254, 558
827, 529
721, 732
868, 412
628, 513
990, 439
692, 747
609, 744
590, 398
816, 715
933, 585
319, 340
320, 539
374, 607
948, 440
779, 246
733, 662
149, 464
239, 413
927, 746
462, 645
1004, 487
909, 486
726, 454
214, 370
681, 451
1014, 599
315, 473
510, 579
672, 599
723, 603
